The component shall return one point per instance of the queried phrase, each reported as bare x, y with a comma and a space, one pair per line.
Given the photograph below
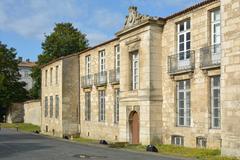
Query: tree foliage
11, 90
64, 40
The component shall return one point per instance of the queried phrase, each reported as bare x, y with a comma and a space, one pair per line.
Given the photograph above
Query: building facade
60, 100
161, 80
25, 70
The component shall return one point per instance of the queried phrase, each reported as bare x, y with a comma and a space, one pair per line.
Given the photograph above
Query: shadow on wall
15, 113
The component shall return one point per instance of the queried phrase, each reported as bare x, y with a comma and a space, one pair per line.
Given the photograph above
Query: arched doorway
134, 127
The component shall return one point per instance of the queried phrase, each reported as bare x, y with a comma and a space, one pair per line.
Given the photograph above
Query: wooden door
135, 128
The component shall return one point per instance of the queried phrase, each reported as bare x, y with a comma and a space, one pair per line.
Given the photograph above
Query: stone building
60, 96
25, 70
171, 80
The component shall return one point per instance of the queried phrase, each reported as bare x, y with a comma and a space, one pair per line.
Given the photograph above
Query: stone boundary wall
32, 112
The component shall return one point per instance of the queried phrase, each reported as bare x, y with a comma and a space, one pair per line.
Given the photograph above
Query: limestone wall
70, 95
32, 112
230, 82
146, 100
199, 81
52, 90
93, 128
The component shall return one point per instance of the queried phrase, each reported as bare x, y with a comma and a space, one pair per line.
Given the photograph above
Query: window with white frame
51, 72
87, 106
183, 103
116, 106
46, 77
46, 107
117, 58
201, 142
57, 106
102, 61
215, 102
88, 65
215, 27
56, 74
135, 71
51, 106
101, 104
184, 40
178, 140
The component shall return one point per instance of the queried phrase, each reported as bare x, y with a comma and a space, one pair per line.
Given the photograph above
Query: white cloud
33, 18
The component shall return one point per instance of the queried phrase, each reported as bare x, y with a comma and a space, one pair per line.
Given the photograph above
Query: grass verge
21, 126
195, 153
85, 140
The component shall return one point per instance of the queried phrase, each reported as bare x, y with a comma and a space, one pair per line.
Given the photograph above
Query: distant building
25, 70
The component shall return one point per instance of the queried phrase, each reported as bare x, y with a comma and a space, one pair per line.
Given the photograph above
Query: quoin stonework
172, 80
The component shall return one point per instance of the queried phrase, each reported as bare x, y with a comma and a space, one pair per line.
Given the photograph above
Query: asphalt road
26, 146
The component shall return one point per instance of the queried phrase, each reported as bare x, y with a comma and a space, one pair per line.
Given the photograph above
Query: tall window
56, 74
116, 106
102, 61
135, 71
46, 107
183, 103
101, 95
215, 35
215, 102
88, 65
215, 27
51, 72
51, 106
87, 106
117, 58
184, 40
57, 106
46, 77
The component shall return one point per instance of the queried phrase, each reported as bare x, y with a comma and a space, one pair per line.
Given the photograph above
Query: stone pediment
134, 18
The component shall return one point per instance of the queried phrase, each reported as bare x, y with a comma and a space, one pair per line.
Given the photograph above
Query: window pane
181, 84
181, 38
216, 112
188, 36
181, 47
188, 24
181, 27
188, 45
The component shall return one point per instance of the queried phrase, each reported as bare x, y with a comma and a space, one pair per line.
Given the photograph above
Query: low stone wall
32, 112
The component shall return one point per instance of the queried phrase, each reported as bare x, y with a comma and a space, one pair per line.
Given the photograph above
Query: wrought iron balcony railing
87, 81
114, 76
210, 57
100, 78
182, 62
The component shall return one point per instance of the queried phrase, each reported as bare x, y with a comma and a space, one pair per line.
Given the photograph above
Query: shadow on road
11, 149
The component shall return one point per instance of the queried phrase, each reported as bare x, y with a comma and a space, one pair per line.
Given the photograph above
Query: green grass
21, 126
196, 153
85, 140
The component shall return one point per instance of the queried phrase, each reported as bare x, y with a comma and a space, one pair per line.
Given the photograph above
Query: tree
64, 40
11, 90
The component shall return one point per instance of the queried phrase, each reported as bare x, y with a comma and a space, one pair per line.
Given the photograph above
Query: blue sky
24, 22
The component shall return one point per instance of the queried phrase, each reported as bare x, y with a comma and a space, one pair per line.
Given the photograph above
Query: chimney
28, 60
20, 59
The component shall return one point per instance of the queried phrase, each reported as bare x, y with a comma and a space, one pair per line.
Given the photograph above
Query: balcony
114, 76
100, 78
181, 63
87, 81
210, 57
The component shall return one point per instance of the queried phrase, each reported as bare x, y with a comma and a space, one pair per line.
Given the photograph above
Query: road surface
26, 146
